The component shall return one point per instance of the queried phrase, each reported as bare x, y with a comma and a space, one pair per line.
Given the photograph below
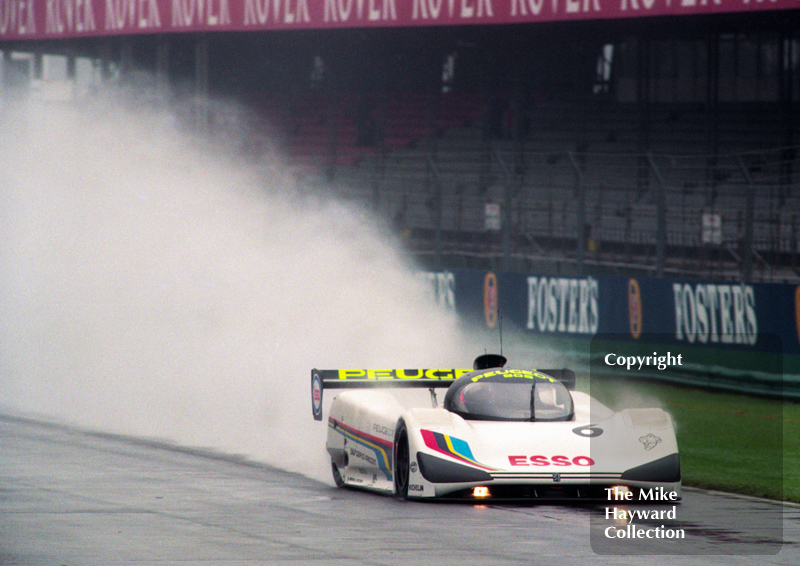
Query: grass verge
729, 442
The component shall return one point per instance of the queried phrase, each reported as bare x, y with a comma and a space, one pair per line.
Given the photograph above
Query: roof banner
59, 19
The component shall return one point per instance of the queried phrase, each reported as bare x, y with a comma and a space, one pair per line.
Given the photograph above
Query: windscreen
511, 400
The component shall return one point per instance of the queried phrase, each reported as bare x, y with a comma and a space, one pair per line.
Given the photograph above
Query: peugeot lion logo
649, 441
556, 478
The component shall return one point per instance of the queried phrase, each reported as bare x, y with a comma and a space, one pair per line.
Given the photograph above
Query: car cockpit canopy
510, 395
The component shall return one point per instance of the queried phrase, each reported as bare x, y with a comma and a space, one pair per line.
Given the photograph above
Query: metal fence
731, 216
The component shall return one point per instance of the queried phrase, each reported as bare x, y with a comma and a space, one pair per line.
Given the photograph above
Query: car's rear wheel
402, 459
337, 475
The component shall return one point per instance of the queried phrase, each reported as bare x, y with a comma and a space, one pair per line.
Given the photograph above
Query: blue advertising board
727, 321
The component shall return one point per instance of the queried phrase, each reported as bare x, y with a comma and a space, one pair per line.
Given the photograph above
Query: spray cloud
153, 286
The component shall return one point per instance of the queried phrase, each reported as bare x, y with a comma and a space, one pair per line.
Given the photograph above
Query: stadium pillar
71, 63
749, 219
788, 54
643, 96
434, 185
661, 217
330, 102
201, 85
126, 58
580, 194
162, 69
104, 54
712, 107
505, 212
38, 64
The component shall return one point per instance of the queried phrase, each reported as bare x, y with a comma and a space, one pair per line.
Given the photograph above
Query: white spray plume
153, 287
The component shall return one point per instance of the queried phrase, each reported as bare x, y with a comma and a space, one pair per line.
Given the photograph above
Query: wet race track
73, 498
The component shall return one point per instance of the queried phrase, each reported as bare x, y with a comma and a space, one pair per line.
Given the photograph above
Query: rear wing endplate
322, 379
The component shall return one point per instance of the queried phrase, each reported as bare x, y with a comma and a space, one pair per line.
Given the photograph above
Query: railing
731, 216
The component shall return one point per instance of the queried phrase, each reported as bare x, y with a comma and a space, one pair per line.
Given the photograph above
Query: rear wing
322, 379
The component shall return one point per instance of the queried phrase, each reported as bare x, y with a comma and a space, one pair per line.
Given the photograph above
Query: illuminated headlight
480, 492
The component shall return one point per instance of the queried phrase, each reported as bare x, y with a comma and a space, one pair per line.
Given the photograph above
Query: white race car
498, 433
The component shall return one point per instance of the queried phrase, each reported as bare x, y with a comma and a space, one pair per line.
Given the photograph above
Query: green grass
735, 442
728, 442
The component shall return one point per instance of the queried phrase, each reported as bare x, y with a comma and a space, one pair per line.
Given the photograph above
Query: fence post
580, 194
433, 180
661, 217
749, 219
505, 211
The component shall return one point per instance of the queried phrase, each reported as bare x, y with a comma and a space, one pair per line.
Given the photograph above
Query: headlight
480, 492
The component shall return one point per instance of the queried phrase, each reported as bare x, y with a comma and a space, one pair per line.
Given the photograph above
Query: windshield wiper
533, 401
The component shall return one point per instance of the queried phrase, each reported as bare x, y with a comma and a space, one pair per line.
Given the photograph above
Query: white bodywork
588, 453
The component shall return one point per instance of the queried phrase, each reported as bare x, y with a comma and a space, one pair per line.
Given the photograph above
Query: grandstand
434, 184
660, 142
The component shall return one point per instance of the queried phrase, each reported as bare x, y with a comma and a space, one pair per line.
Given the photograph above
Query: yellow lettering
380, 374
439, 374
351, 373
406, 373
545, 377
519, 374
481, 376
514, 374
434, 373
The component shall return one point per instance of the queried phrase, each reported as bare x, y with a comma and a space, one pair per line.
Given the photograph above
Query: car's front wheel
402, 460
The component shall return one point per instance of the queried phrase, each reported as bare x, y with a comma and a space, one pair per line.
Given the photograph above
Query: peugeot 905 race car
498, 433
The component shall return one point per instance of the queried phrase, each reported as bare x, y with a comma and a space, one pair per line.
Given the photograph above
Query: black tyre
402, 460
337, 476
